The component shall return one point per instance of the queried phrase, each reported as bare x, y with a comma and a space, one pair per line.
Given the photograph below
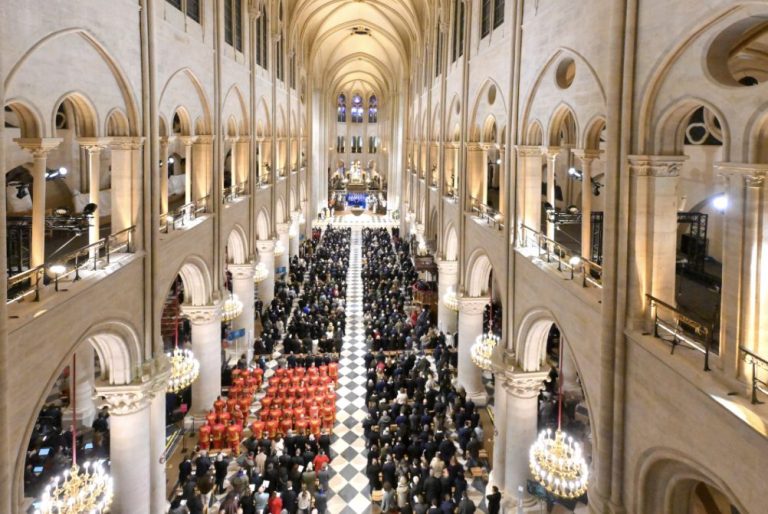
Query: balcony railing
231, 194
31, 282
184, 214
483, 211
566, 259
759, 365
672, 325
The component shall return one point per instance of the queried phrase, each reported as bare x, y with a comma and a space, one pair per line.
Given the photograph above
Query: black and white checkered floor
349, 485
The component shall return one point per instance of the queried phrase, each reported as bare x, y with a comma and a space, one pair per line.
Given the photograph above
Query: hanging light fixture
260, 273
279, 249
451, 300
481, 351
185, 368
556, 459
78, 490
232, 308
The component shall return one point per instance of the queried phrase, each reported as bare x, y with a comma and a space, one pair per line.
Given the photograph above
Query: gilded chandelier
558, 464
89, 490
184, 369
232, 308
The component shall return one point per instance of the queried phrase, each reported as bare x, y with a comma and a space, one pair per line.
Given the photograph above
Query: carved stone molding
92, 144
241, 271
447, 267
473, 305
204, 139
524, 385
38, 147
529, 151
587, 155
126, 143
202, 314
188, 140
283, 228
656, 165
265, 246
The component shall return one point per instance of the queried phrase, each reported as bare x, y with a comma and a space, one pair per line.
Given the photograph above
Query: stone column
652, 231
93, 146
243, 287
234, 162
587, 158
448, 280
552, 155
203, 179
529, 201
39, 149
266, 251
744, 311
125, 195
475, 172
282, 261
293, 234
163, 176
498, 469
129, 446
188, 141
157, 388
522, 391
471, 326
206, 345
243, 146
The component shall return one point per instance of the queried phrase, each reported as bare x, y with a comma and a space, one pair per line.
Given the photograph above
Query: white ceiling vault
358, 45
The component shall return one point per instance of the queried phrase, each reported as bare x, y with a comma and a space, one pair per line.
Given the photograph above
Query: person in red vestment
233, 439
204, 437
218, 435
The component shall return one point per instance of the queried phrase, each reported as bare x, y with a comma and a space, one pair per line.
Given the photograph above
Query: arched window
341, 110
233, 23
357, 109
262, 48
190, 7
373, 110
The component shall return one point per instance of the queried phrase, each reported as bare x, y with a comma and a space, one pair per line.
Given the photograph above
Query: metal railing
232, 193
491, 216
756, 362
567, 260
684, 329
183, 215
32, 281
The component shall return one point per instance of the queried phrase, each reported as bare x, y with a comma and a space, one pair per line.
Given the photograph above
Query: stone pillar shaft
206, 345
266, 251
243, 287
448, 280
470, 327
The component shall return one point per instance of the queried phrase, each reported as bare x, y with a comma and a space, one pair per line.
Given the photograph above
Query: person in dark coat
494, 501
220, 466
185, 470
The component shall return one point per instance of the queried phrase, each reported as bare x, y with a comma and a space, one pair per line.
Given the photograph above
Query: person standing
494, 501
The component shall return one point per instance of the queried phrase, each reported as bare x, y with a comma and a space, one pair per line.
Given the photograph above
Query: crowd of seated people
283, 462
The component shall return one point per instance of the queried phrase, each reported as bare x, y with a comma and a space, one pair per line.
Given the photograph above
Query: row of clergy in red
302, 400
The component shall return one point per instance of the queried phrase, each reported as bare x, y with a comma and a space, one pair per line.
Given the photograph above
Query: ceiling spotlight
171, 160
63, 171
576, 174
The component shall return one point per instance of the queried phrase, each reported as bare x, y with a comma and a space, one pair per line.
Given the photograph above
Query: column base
510, 504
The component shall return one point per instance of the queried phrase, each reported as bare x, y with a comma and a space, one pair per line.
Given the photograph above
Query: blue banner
236, 334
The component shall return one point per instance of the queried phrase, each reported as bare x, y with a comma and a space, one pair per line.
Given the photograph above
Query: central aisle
349, 486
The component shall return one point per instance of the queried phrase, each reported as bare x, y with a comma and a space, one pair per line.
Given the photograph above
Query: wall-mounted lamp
573, 262
57, 269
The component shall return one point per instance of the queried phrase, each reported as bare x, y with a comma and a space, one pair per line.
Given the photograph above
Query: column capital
525, 385
656, 165
126, 143
447, 267
93, 144
475, 147
282, 228
265, 246
241, 271
122, 400
754, 174
202, 314
188, 140
473, 305
587, 155
529, 151
243, 139
38, 146
551, 151
204, 139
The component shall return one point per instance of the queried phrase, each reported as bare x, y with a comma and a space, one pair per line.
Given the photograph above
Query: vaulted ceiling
358, 42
